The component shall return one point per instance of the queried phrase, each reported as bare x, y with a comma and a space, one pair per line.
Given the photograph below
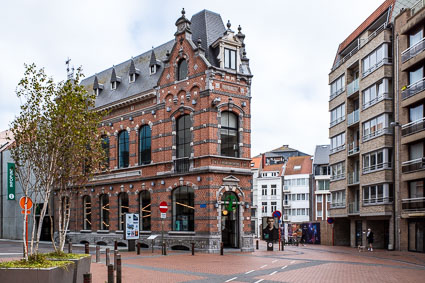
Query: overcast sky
291, 46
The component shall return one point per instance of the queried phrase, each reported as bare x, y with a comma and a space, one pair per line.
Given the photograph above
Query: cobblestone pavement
295, 264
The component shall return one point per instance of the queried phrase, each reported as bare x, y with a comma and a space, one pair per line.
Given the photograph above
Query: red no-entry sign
163, 207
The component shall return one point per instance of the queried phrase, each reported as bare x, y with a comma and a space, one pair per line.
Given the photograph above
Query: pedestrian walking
369, 238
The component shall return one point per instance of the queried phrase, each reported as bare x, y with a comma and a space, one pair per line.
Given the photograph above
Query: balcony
413, 89
378, 98
337, 121
376, 66
182, 165
353, 148
337, 177
336, 93
286, 203
353, 178
413, 165
352, 87
376, 167
412, 51
336, 149
353, 208
413, 127
377, 200
416, 7
413, 205
338, 205
379, 132
353, 117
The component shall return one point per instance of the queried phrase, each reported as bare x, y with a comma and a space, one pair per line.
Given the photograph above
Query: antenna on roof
69, 71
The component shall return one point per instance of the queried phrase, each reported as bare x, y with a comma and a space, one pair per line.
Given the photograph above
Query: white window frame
373, 60
376, 93
338, 171
338, 114
376, 127
338, 199
371, 163
337, 86
370, 194
337, 143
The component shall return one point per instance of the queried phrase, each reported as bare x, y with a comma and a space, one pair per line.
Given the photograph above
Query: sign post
26, 204
10, 181
163, 208
131, 230
278, 214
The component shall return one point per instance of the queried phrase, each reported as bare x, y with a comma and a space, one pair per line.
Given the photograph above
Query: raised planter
81, 267
41, 275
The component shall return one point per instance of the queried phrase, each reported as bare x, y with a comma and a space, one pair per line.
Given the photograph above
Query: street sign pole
162, 236
163, 208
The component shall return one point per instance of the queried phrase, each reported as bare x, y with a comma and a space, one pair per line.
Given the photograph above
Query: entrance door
230, 220
359, 233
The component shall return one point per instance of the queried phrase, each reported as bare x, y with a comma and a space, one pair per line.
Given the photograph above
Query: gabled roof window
134, 72
97, 87
115, 80
154, 64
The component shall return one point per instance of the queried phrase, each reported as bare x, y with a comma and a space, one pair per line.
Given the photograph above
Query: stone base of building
174, 240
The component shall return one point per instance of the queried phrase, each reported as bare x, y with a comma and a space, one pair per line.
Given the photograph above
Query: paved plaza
295, 264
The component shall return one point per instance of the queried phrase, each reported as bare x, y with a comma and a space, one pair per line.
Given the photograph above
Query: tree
57, 145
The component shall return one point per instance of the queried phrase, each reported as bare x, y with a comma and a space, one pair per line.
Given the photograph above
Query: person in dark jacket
369, 237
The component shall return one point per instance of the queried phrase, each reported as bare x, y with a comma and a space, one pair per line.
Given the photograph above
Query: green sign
10, 181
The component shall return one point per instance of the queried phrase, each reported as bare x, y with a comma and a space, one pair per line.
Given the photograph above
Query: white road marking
284, 267
274, 261
231, 279
10, 253
249, 271
273, 273
263, 266
259, 281
292, 261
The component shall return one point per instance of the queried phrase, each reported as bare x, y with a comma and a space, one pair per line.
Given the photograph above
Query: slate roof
303, 161
321, 154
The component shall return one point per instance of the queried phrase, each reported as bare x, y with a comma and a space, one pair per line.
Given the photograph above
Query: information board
131, 226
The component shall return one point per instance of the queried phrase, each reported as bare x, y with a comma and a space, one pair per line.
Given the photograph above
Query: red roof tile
305, 162
274, 167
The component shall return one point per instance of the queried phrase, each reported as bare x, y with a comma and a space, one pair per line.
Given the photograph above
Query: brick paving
295, 264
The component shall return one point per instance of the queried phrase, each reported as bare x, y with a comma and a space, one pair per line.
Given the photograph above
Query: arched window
105, 147
183, 209
184, 136
145, 210
122, 209
182, 70
104, 212
87, 212
123, 149
229, 134
145, 145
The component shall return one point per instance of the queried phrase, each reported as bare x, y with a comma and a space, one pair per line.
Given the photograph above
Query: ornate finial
229, 24
183, 12
199, 41
239, 28
244, 53
168, 53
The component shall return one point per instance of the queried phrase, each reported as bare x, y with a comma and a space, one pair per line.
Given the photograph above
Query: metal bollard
152, 245
164, 248
283, 245
110, 273
70, 247
193, 248
86, 248
87, 278
257, 244
97, 253
138, 248
115, 259
118, 268
221, 248
115, 245
108, 260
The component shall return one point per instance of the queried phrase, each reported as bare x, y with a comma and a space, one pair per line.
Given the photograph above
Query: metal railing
337, 177
380, 97
376, 133
353, 178
376, 66
413, 127
353, 207
380, 200
378, 166
413, 165
336, 149
182, 165
413, 204
338, 204
353, 117
336, 93
338, 120
413, 89
413, 50
353, 148
417, 6
352, 87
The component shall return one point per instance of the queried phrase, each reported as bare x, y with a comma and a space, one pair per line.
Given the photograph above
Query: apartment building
409, 42
321, 176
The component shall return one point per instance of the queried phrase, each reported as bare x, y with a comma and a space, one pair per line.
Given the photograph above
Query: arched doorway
230, 220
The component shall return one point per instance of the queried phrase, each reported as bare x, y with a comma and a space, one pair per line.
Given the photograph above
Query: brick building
178, 130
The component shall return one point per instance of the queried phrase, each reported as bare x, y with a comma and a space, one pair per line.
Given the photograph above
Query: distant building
321, 177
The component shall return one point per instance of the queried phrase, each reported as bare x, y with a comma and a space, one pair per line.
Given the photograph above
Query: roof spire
183, 24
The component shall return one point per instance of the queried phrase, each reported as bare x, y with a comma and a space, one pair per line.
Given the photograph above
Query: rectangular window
338, 171
375, 59
337, 86
274, 206
323, 185
338, 199
264, 190
416, 151
302, 196
229, 58
376, 194
319, 213
376, 93
375, 127
319, 198
337, 143
416, 113
416, 75
274, 190
414, 38
338, 114
377, 160
264, 207
298, 196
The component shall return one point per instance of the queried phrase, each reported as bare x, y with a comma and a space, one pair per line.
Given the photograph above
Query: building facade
321, 178
177, 130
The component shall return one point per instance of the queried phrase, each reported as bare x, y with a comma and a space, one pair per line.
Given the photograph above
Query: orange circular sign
22, 202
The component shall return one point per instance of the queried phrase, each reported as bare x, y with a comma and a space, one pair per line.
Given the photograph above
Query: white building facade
296, 201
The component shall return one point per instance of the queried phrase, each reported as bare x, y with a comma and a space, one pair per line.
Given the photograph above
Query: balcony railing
353, 117
337, 204
337, 177
380, 97
376, 133
182, 165
353, 208
413, 127
413, 204
353, 148
413, 89
417, 6
352, 87
376, 66
353, 178
338, 120
336, 149
413, 50
377, 200
375, 167
413, 165
336, 93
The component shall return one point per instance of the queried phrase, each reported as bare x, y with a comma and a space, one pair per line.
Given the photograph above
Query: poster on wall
131, 226
311, 232
270, 229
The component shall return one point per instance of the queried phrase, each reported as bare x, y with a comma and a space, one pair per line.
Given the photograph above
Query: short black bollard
257, 244
152, 245
164, 248
97, 253
193, 248
115, 259
86, 248
221, 248
108, 260
70, 247
115, 245
87, 278
118, 268
110, 273
138, 248
283, 245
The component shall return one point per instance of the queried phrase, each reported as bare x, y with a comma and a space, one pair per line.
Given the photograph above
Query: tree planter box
81, 267
42, 275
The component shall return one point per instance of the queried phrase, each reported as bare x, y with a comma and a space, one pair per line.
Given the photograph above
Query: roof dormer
154, 64
97, 87
133, 73
229, 46
115, 80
